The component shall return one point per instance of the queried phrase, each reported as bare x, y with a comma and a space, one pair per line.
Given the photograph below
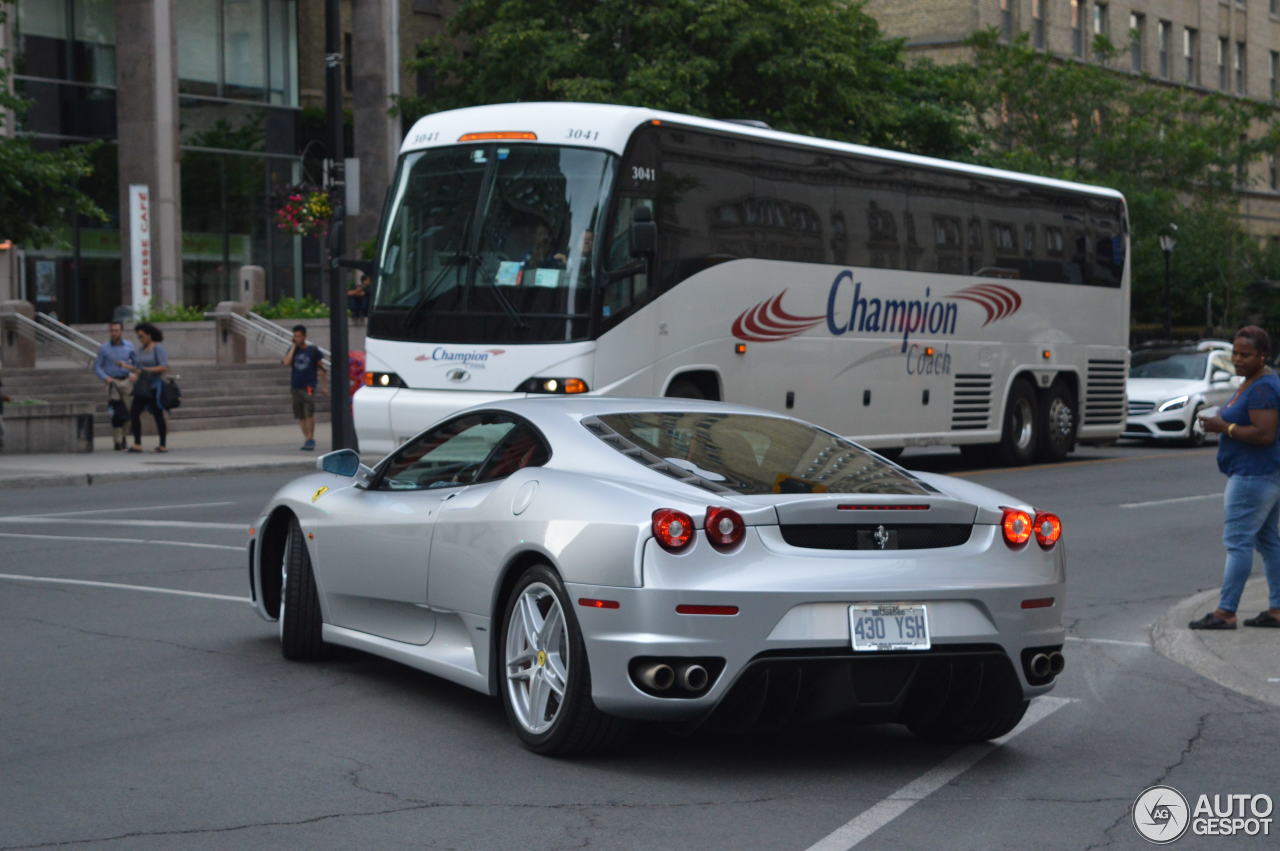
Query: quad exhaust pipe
658, 676
683, 678
693, 677
1044, 665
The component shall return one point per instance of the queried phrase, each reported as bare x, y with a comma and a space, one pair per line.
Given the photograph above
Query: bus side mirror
644, 233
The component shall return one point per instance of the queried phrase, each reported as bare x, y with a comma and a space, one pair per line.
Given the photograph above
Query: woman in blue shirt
149, 367
1249, 456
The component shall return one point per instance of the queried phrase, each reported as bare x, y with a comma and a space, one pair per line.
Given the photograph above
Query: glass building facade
240, 128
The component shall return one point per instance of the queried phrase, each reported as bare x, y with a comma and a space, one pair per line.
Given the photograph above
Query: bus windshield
490, 243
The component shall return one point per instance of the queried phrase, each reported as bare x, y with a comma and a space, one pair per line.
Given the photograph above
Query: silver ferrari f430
596, 561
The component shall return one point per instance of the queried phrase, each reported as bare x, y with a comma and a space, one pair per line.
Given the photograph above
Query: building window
1077, 28
1240, 75
1162, 46
1273, 173
1137, 41
1224, 46
1190, 55
1101, 26
1006, 20
239, 49
1275, 71
1037, 23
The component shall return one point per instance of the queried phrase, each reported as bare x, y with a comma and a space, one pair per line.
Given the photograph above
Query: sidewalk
253, 449
1246, 659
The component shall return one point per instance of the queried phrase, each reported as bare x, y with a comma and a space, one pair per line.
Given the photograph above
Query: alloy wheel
537, 658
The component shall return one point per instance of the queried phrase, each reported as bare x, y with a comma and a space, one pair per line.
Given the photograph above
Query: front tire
546, 680
300, 618
1195, 431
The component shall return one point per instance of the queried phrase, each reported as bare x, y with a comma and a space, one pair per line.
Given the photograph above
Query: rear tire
300, 618
545, 680
1057, 423
1020, 432
967, 701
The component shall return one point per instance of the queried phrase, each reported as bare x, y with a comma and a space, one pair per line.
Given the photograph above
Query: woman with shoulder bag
152, 364
1250, 457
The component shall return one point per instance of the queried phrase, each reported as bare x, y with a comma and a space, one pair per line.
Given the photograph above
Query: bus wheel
1057, 423
684, 388
1018, 437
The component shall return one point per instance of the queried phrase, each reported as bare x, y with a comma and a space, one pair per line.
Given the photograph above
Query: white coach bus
899, 300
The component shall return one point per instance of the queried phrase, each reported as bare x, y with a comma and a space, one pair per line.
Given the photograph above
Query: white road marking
131, 508
89, 521
1108, 641
1217, 495
903, 799
123, 541
122, 587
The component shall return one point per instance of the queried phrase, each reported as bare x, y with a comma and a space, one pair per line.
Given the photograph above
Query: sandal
1263, 619
1211, 621
134, 449
160, 449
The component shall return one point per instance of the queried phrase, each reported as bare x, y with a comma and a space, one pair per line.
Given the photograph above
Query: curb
1217, 660
87, 479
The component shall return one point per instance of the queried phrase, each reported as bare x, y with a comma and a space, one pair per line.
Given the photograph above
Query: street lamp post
1168, 241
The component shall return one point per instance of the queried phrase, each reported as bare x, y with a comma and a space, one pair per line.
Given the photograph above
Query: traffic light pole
343, 434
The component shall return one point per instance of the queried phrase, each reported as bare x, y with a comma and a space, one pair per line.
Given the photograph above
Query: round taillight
672, 529
1016, 526
724, 527
1048, 529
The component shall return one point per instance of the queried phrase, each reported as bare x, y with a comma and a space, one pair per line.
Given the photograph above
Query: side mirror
340, 462
644, 233
1219, 376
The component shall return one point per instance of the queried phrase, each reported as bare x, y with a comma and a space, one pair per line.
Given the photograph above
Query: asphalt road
136, 719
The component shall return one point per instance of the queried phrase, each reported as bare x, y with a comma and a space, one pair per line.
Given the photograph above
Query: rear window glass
750, 454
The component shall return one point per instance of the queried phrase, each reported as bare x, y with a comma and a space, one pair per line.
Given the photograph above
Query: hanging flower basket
305, 211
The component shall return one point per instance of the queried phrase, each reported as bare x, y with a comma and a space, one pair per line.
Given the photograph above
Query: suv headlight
1173, 404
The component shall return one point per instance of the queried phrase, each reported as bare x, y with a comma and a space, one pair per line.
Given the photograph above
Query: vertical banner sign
140, 244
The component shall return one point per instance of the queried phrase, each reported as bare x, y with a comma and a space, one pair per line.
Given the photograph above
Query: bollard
17, 350
230, 344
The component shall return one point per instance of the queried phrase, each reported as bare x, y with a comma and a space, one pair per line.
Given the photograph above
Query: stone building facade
1227, 46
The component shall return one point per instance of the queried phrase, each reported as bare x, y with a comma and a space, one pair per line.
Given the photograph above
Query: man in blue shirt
119, 380
306, 368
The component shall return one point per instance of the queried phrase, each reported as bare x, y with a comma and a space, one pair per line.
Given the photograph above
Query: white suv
1169, 385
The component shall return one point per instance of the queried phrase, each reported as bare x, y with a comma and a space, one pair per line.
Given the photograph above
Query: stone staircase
213, 397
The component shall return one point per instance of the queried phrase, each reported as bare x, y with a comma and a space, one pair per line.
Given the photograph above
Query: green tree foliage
39, 189
820, 67
1176, 154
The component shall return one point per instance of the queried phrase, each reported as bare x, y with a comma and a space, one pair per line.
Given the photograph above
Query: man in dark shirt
306, 371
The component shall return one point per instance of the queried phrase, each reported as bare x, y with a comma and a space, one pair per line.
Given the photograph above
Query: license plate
889, 626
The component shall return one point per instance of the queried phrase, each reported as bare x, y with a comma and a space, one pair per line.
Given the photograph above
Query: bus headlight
1173, 404
383, 379
553, 385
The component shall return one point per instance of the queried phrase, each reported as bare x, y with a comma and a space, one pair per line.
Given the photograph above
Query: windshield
1168, 363
490, 244
751, 454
